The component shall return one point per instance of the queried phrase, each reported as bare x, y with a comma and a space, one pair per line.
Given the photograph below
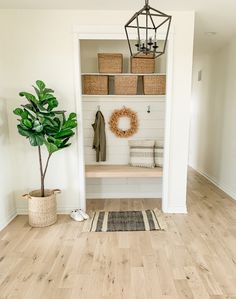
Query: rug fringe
161, 218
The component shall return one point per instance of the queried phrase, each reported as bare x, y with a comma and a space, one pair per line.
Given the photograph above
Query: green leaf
64, 134
27, 123
36, 140
70, 124
48, 90
65, 141
25, 114
38, 127
41, 108
58, 122
53, 103
62, 112
18, 111
40, 84
72, 115
23, 132
65, 145
30, 107
46, 114
24, 127
37, 91
29, 97
51, 147
47, 96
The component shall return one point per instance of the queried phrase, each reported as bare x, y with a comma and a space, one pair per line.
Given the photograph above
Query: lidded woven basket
110, 63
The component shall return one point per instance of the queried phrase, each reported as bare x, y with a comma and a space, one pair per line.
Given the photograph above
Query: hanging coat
99, 140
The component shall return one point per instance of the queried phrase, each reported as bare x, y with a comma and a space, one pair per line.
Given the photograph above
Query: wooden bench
122, 171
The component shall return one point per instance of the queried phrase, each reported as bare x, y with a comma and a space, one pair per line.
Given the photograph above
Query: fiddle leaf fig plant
43, 125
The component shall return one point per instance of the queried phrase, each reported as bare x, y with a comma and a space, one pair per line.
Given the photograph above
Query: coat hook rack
149, 109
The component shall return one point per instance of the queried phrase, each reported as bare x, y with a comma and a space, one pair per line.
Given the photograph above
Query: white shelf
122, 74
156, 97
117, 98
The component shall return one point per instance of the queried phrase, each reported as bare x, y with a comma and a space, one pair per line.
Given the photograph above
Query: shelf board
122, 74
154, 98
121, 171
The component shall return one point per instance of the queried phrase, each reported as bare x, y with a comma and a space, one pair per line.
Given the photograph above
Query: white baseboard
214, 181
60, 210
10, 217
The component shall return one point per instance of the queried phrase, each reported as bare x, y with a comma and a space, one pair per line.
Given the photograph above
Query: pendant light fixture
142, 32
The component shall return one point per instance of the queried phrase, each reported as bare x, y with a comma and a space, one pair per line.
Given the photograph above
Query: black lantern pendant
144, 27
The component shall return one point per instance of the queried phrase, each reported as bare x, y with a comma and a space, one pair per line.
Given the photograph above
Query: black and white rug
114, 221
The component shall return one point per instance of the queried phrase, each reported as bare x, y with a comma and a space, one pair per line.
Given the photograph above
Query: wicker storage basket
42, 210
142, 65
110, 63
125, 85
95, 84
154, 85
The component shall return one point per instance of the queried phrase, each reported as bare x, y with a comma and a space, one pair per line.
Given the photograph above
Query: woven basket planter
110, 63
42, 210
154, 85
125, 85
95, 84
142, 65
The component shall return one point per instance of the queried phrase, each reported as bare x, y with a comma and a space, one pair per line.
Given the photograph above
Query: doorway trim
117, 33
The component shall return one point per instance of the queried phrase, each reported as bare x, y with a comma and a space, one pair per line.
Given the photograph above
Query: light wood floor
194, 258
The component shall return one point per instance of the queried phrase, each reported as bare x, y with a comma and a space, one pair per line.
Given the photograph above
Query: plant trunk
41, 172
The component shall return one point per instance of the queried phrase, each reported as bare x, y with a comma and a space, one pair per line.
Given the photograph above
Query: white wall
7, 203
180, 113
213, 142
38, 44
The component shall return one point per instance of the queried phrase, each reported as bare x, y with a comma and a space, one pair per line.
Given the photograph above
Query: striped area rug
115, 221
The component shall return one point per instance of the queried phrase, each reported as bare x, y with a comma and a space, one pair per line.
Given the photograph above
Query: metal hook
98, 107
149, 109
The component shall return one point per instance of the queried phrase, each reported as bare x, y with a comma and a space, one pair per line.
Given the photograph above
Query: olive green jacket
99, 140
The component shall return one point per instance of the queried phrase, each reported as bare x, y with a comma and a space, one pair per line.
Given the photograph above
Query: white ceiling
211, 15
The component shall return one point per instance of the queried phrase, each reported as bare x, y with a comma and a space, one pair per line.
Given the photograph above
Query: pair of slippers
79, 215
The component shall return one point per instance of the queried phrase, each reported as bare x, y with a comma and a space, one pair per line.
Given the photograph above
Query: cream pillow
142, 153
158, 153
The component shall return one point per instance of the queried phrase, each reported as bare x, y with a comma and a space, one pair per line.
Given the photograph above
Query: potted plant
43, 125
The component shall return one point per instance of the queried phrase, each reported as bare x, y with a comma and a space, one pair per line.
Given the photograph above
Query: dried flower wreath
114, 121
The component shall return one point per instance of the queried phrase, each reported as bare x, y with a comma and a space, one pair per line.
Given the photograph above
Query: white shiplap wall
151, 126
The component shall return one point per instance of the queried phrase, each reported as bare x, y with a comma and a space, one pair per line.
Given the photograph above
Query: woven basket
125, 85
42, 210
95, 84
154, 85
142, 65
110, 63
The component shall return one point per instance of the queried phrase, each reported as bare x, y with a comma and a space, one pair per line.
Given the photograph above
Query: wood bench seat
122, 171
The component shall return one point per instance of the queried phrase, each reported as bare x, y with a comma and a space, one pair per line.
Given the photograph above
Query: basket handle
26, 196
55, 191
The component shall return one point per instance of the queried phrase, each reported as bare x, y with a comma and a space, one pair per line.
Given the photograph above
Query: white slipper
84, 215
75, 215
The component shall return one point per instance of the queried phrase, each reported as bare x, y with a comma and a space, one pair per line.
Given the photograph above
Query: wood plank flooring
194, 258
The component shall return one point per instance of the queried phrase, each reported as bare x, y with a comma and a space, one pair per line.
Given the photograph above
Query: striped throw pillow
142, 153
158, 153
